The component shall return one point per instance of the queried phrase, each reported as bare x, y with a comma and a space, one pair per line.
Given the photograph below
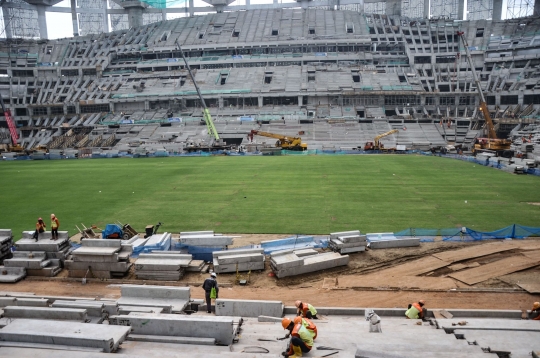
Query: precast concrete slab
12, 274
287, 260
93, 308
99, 266
161, 296
93, 251
233, 259
68, 314
35, 264
305, 252
167, 255
351, 250
117, 243
243, 266
207, 241
67, 333
313, 263
7, 301
32, 255
401, 242
111, 307
237, 252
270, 319
171, 339
222, 329
32, 302
352, 238
248, 308
125, 309
196, 233
94, 258
28, 235
41, 245
335, 235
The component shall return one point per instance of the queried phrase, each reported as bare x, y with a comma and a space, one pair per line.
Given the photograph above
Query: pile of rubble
347, 242
296, 262
162, 266
100, 258
243, 260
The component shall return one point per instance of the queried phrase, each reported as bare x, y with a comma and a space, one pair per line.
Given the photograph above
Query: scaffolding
444, 9
375, 8
519, 8
92, 23
121, 22
412, 8
479, 9
20, 22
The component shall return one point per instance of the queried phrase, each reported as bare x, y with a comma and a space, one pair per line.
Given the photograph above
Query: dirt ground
498, 293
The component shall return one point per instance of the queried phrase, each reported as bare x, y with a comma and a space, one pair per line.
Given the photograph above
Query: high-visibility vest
413, 312
302, 332
307, 307
54, 223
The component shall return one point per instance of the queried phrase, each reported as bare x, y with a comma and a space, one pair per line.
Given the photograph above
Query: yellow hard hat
536, 305
298, 303
285, 322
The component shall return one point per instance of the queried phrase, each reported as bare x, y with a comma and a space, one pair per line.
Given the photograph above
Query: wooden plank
495, 269
416, 267
457, 267
385, 281
475, 251
532, 287
534, 255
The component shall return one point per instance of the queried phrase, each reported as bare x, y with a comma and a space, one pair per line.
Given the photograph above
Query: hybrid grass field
288, 195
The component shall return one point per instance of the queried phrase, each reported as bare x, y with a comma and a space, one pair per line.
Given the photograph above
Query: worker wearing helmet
416, 310
301, 338
306, 322
536, 311
304, 309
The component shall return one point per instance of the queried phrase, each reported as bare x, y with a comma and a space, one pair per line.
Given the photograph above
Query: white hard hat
213, 274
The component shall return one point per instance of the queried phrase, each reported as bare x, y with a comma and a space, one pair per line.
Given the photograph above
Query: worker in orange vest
416, 310
536, 311
301, 338
306, 322
304, 309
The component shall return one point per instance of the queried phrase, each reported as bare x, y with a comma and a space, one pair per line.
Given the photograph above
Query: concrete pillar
105, 17
163, 15
191, 12
42, 22
7, 22
260, 101
461, 10
427, 4
497, 9
220, 102
536, 11
135, 16
74, 18
247, 2
393, 7
300, 100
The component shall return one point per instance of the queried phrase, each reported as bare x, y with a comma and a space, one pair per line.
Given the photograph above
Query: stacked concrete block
97, 310
388, 240
197, 266
164, 266
286, 263
249, 308
104, 338
205, 238
6, 241
12, 274
347, 242
244, 260
60, 314
157, 242
100, 258
171, 299
44, 257
212, 330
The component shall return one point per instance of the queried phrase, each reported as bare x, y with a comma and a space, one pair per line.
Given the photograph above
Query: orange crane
490, 144
283, 142
14, 147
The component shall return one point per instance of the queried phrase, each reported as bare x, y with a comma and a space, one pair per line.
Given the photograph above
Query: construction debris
243, 260
287, 263
347, 242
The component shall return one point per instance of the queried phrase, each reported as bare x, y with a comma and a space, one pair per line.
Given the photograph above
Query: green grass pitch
288, 194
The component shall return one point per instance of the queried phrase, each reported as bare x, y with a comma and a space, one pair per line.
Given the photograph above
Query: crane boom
483, 105
206, 112
377, 138
285, 142
10, 123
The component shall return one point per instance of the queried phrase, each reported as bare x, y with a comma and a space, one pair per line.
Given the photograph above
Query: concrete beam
248, 308
497, 9
68, 314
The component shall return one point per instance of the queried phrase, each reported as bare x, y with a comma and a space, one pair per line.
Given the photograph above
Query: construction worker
535, 312
416, 310
40, 227
209, 284
301, 338
304, 309
55, 224
306, 322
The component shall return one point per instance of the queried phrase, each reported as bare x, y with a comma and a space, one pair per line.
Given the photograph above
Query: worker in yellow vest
416, 310
305, 309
